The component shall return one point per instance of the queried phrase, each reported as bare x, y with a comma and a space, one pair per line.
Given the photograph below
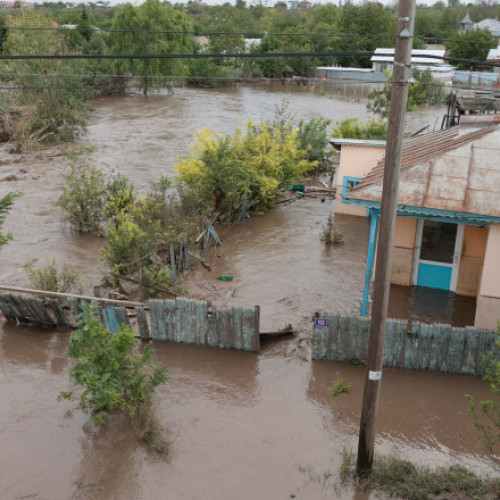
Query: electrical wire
258, 34
236, 56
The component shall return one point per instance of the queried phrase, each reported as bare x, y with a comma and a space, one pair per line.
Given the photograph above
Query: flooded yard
240, 425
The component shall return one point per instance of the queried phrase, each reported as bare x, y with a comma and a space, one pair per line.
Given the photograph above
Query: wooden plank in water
212, 329
251, 341
142, 323
162, 329
154, 312
201, 311
8, 309
40, 315
255, 340
170, 319
58, 311
74, 307
112, 319
237, 328
121, 316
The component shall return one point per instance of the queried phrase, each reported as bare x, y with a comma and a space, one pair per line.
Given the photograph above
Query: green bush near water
115, 375
403, 479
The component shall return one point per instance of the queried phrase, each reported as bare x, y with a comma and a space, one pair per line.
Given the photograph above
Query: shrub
339, 386
231, 173
330, 235
52, 278
83, 196
114, 374
353, 129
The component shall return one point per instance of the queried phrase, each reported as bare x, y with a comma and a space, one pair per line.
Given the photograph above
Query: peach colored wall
471, 260
488, 301
404, 243
355, 161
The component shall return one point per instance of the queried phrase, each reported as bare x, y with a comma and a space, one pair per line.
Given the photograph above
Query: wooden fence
179, 320
415, 346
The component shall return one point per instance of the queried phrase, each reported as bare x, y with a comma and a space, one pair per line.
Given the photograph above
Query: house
466, 24
494, 57
448, 218
421, 59
492, 25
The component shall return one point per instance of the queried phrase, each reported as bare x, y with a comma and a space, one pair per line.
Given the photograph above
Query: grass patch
401, 478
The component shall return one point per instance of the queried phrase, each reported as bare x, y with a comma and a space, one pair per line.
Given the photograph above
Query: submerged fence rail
179, 320
416, 346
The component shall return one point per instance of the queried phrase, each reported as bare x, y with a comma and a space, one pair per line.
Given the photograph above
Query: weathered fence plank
180, 320
142, 323
417, 346
59, 314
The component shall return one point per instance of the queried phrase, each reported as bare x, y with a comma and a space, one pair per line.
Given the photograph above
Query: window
348, 183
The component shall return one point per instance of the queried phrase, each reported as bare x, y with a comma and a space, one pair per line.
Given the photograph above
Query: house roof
445, 171
493, 25
417, 56
493, 54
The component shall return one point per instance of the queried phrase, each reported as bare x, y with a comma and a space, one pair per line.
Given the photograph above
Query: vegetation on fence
486, 413
401, 478
114, 374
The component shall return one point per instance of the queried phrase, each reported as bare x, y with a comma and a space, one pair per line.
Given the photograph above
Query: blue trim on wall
346, 188
430, 213
374, 215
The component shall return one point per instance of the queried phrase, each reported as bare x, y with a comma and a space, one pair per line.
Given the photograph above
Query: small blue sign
321, 322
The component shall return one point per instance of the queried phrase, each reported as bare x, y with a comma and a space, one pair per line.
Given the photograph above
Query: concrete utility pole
375, 355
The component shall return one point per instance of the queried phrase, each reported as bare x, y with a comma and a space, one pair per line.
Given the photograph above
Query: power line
259, 34
236, 55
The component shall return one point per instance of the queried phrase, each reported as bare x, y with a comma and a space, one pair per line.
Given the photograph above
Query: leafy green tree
473, 44
114, 374
230, 174
5, 205
54, 106
150, 16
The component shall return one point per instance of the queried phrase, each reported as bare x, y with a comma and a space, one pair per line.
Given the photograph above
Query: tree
115, 376
473, 44
150, 16
54, 105
5, 204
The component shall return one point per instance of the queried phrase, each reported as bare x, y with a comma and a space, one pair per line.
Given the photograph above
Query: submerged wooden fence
179, 320
415, 346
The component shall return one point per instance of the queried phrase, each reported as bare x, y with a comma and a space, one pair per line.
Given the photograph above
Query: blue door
438, 254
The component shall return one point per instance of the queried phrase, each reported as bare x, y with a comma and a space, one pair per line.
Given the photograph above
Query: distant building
492, 25
466, 24
494, 57
383, 60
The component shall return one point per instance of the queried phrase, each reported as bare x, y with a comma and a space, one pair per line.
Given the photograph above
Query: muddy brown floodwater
240, 425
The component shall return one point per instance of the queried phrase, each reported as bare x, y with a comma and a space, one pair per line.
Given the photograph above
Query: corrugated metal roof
417, 56
445, 170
